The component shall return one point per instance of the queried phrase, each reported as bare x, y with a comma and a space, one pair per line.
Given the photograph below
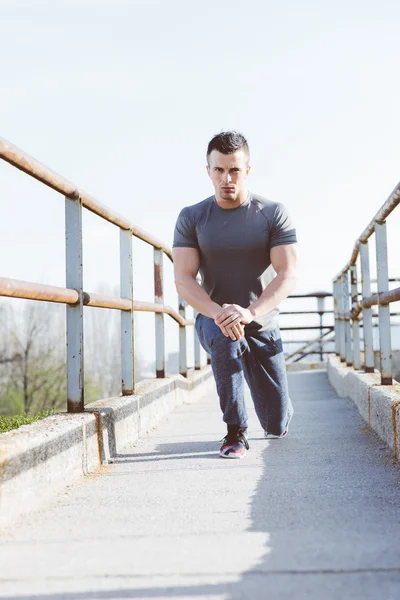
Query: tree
32, 343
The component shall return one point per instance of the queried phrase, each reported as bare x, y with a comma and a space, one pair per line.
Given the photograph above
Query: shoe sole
271, 436
235, 456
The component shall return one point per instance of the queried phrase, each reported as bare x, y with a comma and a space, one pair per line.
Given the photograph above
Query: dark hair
228, 142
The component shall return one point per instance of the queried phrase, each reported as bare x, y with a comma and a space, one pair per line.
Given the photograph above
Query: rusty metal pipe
383, 298
29, 165
376, 299
380, 217
100, 301
382, 214
14, 288
103, 211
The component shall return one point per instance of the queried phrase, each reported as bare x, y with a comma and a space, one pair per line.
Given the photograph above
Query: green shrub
8, 423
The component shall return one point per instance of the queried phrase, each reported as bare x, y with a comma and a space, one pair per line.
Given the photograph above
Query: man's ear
208, 169
248, 169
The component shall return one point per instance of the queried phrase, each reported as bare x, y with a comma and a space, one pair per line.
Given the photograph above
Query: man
234, 239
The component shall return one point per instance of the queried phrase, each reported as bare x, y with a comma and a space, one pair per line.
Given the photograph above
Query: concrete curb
300, 366
38, 461
378, 405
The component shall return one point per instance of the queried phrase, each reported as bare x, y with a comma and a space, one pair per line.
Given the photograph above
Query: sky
122, 97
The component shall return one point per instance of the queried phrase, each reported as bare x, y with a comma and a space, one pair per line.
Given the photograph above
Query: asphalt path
312, 516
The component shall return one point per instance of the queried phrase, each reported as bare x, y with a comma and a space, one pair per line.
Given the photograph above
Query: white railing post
385, 345
74, 280
367, 312
197, 355
127, 317
321, 311
182, 340
355, 322
336, 316
347, 325
159, 317
342, 344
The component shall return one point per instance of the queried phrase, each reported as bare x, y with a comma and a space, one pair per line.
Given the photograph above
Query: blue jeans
257, 358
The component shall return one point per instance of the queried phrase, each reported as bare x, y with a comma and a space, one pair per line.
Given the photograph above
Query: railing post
385, 346
367, 313
336, 315
321, 310
182, 340
127, 317
159, 317
355, 322
342, 332
197, 355
74, 280
347, 325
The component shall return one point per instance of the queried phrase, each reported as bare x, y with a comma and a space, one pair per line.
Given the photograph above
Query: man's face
228, 173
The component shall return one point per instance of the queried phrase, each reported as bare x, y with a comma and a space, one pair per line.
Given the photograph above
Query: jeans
257, 358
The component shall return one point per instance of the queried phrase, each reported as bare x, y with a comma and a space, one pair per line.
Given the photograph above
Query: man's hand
235, 332
232, 320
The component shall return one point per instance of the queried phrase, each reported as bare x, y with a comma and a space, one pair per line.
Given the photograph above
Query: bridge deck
314, 516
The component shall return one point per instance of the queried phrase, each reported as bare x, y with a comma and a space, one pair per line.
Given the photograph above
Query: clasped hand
232, 320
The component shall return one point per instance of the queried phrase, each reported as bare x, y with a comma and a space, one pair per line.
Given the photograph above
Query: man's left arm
284, 260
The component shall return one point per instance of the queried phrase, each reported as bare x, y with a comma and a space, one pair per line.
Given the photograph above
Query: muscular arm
186, 266
284, 260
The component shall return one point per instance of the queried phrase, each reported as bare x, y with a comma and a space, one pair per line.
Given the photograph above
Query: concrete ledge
383, 401
378, 405
38, 461
300, 366
357, 386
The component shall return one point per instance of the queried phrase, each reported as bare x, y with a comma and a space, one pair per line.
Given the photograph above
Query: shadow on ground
327, 502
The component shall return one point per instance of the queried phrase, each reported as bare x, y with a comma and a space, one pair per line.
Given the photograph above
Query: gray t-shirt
234, 246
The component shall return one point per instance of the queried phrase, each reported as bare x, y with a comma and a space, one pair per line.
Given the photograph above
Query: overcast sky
122, 98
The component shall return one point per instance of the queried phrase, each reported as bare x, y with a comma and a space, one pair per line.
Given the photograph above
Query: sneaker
271, 436
234, 444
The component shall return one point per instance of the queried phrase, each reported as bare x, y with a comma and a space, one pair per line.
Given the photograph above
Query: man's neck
229, 204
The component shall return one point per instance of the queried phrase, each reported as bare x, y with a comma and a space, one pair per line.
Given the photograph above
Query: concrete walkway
313, 516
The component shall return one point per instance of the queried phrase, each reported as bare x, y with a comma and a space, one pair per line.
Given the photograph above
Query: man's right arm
186, 267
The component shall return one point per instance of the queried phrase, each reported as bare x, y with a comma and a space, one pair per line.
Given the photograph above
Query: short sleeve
282, 228
185, 231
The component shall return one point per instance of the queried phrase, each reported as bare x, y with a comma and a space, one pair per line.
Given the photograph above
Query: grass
9, 423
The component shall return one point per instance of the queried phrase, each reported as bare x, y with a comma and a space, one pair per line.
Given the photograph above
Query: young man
237, 239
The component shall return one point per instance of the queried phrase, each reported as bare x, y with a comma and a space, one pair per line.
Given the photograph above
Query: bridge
126, 497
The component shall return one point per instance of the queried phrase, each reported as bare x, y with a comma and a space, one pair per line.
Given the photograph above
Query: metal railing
350, 304
314, 345
76, 298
